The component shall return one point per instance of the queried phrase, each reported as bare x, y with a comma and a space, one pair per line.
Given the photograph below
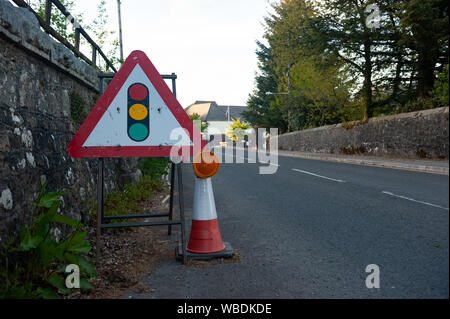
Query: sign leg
100, 206
181, 203
172, 185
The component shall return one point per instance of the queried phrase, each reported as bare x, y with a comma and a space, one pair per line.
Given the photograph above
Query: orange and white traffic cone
205, 235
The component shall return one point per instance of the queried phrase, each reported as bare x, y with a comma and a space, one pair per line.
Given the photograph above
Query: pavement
310, 230
422, 165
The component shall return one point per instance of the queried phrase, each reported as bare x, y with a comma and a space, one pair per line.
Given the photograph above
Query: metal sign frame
103, 222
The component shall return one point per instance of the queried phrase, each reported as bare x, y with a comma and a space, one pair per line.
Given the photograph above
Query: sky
209, 44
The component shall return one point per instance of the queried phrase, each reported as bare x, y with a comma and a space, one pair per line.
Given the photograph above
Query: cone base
228, 252
205, 237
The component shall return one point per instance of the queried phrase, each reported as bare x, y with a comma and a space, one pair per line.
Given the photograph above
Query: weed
421, 153
351, 150
352, 124
41, 271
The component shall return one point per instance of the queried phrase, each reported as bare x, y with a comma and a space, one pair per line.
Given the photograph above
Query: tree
425, 26
58, 20
103, 37
313, 90
322, 92
330, 62
410, 42
260, 112
343, 25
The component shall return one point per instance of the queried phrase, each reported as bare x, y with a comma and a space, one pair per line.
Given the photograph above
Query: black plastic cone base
226, 253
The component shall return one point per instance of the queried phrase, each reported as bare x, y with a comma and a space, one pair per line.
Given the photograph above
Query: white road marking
309, 173
414, 200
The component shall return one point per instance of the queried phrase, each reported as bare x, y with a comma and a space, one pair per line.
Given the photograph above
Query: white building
218, 117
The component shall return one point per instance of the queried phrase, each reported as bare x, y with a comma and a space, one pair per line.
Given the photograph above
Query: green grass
125, 202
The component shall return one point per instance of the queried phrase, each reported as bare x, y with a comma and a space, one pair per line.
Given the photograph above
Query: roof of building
210, 111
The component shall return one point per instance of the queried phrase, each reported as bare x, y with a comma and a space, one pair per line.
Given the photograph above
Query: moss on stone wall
77, 108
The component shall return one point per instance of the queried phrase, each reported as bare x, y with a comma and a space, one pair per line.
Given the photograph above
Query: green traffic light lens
138, 132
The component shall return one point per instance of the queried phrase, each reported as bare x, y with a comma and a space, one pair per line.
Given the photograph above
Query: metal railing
45, 23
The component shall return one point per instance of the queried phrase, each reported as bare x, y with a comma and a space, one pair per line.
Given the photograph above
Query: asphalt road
310, 230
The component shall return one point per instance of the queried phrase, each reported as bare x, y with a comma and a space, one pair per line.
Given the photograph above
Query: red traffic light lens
138, 92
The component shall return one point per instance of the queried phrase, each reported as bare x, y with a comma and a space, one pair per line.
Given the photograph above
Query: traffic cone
205, 236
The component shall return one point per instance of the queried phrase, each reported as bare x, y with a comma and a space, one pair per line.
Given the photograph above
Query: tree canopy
325, 62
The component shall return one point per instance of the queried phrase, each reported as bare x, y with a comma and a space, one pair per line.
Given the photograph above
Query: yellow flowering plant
237, 130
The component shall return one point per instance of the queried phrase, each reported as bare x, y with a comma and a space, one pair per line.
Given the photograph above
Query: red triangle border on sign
76, 149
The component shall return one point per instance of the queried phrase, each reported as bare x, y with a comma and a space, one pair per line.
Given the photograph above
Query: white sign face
115, 127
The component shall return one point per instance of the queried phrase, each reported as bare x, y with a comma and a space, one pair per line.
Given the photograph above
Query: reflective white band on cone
204, 205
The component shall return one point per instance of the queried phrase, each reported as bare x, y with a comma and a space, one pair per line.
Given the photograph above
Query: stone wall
422, 134
45, 93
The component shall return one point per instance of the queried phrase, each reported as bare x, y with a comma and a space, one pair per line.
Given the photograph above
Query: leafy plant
40, 274
199, 123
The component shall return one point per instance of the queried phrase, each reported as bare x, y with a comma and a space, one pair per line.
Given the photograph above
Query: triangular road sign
137, 116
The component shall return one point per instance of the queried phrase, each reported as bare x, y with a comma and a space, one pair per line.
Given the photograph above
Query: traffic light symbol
138, 112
